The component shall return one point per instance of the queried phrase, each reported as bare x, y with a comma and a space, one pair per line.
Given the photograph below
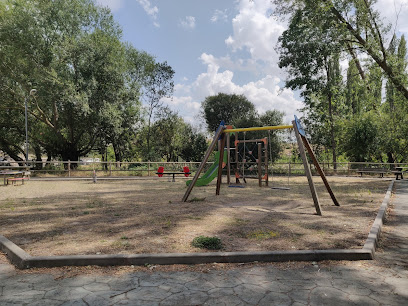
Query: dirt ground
147, 216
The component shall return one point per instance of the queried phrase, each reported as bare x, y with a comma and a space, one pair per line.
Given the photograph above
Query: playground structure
220, 138
251, 160
211, 173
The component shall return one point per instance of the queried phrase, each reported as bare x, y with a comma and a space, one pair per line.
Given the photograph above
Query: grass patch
209, 243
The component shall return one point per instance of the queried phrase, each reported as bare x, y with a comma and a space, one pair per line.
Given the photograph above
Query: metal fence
117, 169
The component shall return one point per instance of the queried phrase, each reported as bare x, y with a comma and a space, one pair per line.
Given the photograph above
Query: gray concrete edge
375, 231
14, 253
24, 261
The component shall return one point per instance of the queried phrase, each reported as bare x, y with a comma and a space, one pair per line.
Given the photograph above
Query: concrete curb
15, 254
24, 261
375, 232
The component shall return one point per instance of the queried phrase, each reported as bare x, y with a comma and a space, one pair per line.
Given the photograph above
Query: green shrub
210, 243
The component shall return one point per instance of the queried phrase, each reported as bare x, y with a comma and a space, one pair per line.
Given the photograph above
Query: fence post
148, 168
348, 168
290, 168
69, 168
110, 168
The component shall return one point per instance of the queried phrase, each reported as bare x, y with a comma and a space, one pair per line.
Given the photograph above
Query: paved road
383, 281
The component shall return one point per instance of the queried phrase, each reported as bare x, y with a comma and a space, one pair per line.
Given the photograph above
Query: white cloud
150, 10
228, 63
219, 16
186, 106
188, 23
255, 34
256, 31
114, 5
265, 93
253, 31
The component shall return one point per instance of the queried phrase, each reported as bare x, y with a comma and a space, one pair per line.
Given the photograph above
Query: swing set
261, 162
250, 160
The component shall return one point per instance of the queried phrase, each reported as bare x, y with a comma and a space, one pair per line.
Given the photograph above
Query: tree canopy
238, 111
226, 107
90, 84
343, 106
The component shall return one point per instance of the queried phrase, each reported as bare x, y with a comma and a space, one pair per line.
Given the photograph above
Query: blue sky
219, 46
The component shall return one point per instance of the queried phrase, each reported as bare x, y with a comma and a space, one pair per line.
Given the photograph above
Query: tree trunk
148, 137
38, 158
70, 154
332, 136
117, 152
390, 158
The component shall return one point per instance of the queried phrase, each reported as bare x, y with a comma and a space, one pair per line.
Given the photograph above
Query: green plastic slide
211, 173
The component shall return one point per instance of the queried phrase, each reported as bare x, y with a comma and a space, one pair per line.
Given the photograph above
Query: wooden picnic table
380, 171
13, 176
399, 172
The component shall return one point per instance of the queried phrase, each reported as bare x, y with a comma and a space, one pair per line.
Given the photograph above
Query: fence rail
149, 168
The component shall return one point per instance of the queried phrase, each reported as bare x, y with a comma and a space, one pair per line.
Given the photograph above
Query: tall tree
194, 144
88, 82
356, 25
316, 74
167, 134
157, 85
355, 90
227, 107
394, 117
70, 51
361, 138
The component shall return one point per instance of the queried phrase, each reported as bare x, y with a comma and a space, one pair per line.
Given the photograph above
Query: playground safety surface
379, 282
147, 216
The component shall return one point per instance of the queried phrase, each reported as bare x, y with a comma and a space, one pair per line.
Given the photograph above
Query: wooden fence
115, 169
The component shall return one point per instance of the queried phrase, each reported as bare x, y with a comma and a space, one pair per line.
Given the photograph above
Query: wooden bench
380, 171
399, 172
16, 179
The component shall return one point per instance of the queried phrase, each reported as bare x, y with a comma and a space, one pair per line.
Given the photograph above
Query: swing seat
281, 188
186, 171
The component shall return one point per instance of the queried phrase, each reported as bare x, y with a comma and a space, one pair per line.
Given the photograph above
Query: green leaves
88, 81
229, 108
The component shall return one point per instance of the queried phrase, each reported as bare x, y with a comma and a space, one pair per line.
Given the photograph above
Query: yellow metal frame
261, 128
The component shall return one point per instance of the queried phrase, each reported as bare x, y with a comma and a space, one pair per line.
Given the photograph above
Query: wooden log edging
22, 260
